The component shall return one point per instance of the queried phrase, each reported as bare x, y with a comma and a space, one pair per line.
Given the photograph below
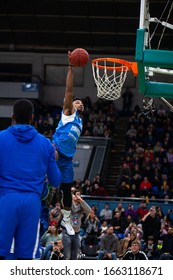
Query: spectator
91, 225
150, 248
71, 240
120, 208
151, 224
103, 227
134, 228
78, 185
53, 251
142, 210
53, 196
159, 212
145, 187
134, 191
139, 232
118, 223
149, 142
108, 245
169, 155
126, 244
98, 190
57, 251
163, 229
165, 192
123, 189
50, 236
86, 187
166, 166
127, 100
124, 174
130, 211
161, 111
52, 219
128, 220
136, 179
135, 253
165, 186
97, 179
168, 219
94, 209
167, 248
106, 213
55, 214
157, 164
156, 148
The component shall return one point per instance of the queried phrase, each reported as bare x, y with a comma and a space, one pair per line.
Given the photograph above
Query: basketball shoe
65, 222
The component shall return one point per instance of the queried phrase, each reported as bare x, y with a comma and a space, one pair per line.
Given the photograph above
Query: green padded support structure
158, 58
158, 89
139, 55
141, 77
152, 58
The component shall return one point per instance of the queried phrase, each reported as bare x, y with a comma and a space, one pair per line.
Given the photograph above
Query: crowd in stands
114, 232
120, 233
148, 162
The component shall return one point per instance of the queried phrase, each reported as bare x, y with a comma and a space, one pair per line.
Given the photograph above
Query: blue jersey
26, 158
67, 134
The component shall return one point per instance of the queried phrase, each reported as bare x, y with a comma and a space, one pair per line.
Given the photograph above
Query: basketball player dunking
65, 141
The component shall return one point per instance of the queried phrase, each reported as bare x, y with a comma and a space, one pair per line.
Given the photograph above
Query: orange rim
127, 64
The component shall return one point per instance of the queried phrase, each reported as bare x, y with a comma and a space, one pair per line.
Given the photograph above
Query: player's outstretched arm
68, 99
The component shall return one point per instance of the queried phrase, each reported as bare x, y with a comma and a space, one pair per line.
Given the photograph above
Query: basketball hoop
109, 76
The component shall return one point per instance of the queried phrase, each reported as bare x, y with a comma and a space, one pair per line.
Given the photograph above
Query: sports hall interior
119, 139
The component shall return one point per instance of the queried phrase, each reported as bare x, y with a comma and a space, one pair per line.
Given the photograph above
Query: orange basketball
79, 57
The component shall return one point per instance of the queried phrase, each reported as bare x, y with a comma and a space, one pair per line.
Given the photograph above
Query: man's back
26, 158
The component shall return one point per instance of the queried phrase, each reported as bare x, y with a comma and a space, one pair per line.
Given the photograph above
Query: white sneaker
65, 223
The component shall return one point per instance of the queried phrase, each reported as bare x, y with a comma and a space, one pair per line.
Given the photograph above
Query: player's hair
77, 99
22, 111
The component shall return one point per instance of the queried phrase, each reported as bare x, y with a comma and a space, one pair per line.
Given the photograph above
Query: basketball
79, 57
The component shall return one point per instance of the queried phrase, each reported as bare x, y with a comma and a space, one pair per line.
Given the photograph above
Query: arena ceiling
56, 26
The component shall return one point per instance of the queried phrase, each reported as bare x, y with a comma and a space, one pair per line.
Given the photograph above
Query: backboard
151, 61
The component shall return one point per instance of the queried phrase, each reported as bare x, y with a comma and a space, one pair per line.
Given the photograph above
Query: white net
109, 80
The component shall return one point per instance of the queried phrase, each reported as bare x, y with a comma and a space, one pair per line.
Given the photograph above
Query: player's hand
69, 58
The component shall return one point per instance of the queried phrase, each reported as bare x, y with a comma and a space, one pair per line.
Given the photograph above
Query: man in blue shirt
65, 140
27, 157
